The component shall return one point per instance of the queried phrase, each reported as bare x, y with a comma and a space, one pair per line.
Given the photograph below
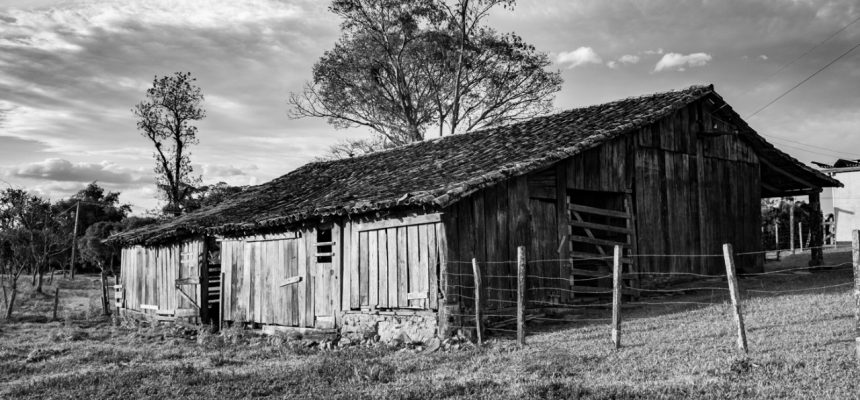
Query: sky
70, 72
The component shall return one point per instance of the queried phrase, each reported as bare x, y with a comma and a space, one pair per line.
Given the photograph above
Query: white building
843, 203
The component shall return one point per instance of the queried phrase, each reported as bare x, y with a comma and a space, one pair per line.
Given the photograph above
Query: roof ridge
532, 120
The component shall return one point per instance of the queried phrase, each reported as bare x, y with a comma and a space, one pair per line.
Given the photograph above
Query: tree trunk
35, 270
41, 276
11, 300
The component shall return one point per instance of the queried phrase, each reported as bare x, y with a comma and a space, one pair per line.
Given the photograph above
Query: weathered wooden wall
258, 270
697, 186
694, 183
391, 263
149, 276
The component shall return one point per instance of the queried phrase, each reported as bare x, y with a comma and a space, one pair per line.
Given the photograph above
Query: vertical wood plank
414, 263
304, 287
433, 264
372, 249
382, 260
363, 268
423, 272
391, 239
402, 268
310, 260
348, 264
442, 243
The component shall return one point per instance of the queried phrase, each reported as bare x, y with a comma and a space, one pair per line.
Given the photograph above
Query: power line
803, 81
811, 49
812, 146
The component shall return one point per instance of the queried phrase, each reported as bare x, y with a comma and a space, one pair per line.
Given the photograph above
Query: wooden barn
383, 241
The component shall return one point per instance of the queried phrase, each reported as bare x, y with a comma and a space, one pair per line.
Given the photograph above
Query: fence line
580, 304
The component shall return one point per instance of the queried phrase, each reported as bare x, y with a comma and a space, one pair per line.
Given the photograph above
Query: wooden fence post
477, 273
105, 307
855, 253
729, 258
616, 297
56, 303
521, 296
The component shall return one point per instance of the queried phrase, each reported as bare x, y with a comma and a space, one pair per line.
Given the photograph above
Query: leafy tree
402, 67
165, 117
96, 205
93, 248
29, 237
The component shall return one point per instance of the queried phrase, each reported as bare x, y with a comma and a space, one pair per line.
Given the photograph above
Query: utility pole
74, 238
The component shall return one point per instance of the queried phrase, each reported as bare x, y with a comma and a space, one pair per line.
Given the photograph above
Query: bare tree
165, 117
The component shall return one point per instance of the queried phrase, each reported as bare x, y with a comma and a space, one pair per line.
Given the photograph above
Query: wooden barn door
599, 221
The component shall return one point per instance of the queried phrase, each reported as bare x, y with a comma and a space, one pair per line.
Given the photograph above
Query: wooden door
323, 277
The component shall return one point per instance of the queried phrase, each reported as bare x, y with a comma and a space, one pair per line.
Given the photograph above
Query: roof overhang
781, 174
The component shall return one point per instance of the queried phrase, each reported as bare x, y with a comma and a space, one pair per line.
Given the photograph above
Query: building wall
150, 274
691, 193
695, 192
846, 205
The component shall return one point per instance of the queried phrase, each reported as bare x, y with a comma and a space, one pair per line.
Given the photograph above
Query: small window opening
325, 246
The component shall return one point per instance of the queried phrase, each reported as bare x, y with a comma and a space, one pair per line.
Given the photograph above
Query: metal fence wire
509, 297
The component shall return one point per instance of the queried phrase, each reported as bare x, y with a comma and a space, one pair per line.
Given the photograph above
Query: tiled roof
429, 174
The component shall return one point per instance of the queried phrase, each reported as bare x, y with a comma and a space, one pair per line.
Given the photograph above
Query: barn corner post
816, 230
731, 277
855, 256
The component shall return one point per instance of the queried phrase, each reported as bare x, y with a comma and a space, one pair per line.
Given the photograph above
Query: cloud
629, 59
224, 171
763, 57
652, 52
60, 170
680, 62
581, 56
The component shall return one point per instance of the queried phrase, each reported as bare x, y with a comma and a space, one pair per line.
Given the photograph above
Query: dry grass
801, 346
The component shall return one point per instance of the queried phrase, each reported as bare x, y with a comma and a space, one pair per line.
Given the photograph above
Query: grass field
801, 346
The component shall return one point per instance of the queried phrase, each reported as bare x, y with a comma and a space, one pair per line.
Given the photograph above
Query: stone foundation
388, 326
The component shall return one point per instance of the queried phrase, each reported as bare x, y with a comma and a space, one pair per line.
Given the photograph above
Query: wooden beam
602, 227
786, 173
602, 242
598, 211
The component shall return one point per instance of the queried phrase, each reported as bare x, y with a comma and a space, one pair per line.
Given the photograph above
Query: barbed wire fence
515, 298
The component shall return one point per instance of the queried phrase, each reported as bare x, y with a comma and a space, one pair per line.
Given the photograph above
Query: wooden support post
800, 236
616, 298
477, 273
791, 226
105, 307
221, 302
521, 296
776, 234
855, 253
816, 230
729, 258
56, 303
